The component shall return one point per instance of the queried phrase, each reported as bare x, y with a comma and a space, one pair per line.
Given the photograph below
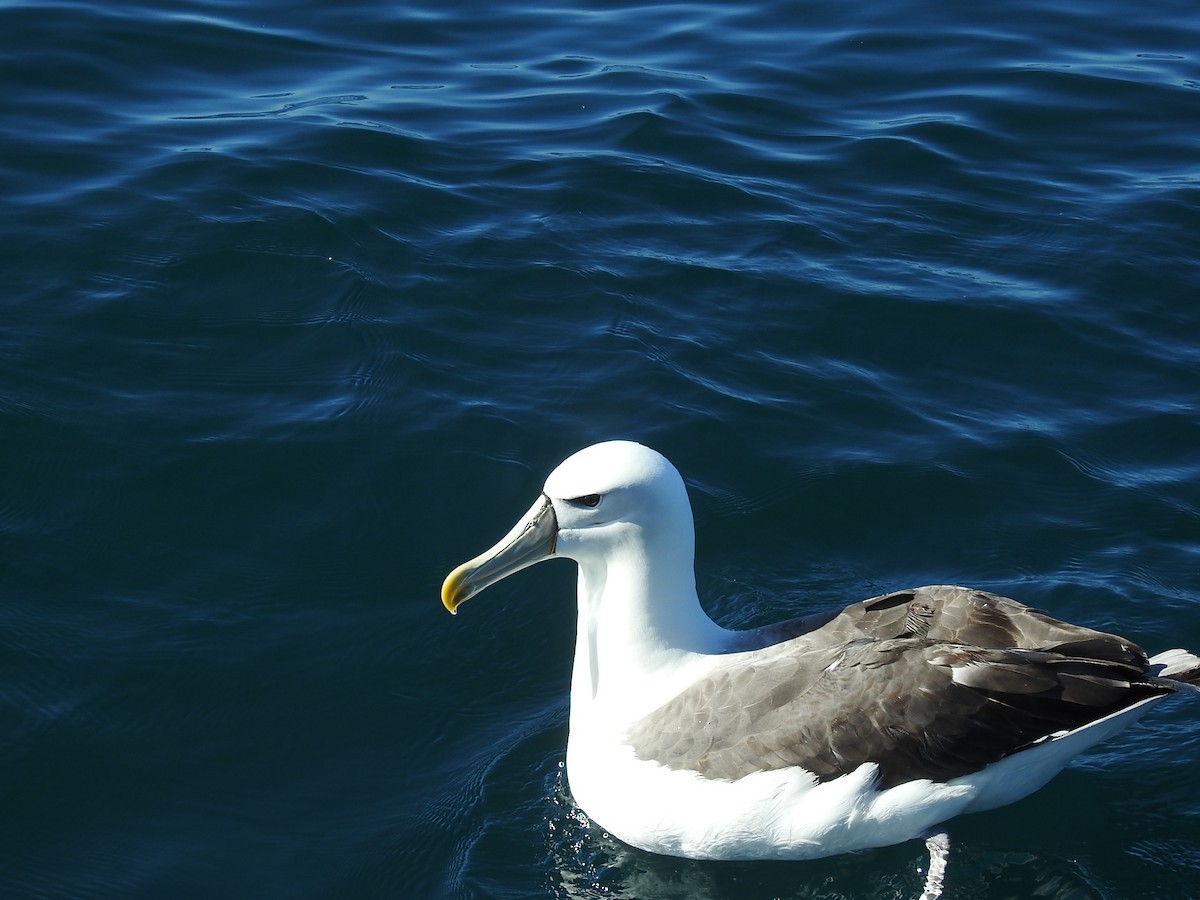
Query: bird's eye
591, 501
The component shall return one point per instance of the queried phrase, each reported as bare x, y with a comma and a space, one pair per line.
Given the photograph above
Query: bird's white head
610, 498
617, 493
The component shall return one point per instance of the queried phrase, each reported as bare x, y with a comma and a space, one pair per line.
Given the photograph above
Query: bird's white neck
641, 632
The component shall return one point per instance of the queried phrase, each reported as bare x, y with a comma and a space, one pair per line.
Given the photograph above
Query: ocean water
301, 301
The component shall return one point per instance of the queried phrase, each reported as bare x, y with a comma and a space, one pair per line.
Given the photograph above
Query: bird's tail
1176, 669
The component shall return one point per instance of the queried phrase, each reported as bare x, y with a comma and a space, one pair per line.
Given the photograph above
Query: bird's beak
531, 540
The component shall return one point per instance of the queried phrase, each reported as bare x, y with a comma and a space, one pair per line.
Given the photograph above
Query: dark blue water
301, 301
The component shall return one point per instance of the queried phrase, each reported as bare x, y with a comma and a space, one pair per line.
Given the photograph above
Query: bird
858, 728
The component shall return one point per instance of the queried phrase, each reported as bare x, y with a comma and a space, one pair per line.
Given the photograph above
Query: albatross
865, 727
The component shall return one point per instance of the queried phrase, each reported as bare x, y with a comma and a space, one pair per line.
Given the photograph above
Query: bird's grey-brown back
930, 683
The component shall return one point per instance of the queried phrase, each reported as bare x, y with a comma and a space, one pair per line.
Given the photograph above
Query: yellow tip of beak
452, 589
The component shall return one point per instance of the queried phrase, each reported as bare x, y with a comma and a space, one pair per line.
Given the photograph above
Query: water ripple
301, 297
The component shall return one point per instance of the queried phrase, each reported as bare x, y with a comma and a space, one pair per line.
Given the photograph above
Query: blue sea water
301, 301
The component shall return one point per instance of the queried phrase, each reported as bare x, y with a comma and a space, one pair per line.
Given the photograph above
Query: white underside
786, 814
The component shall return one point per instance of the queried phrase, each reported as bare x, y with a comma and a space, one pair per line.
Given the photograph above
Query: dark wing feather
951, 614
976, 618
932, 683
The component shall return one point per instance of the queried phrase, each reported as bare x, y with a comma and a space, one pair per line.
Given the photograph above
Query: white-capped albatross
862, 728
